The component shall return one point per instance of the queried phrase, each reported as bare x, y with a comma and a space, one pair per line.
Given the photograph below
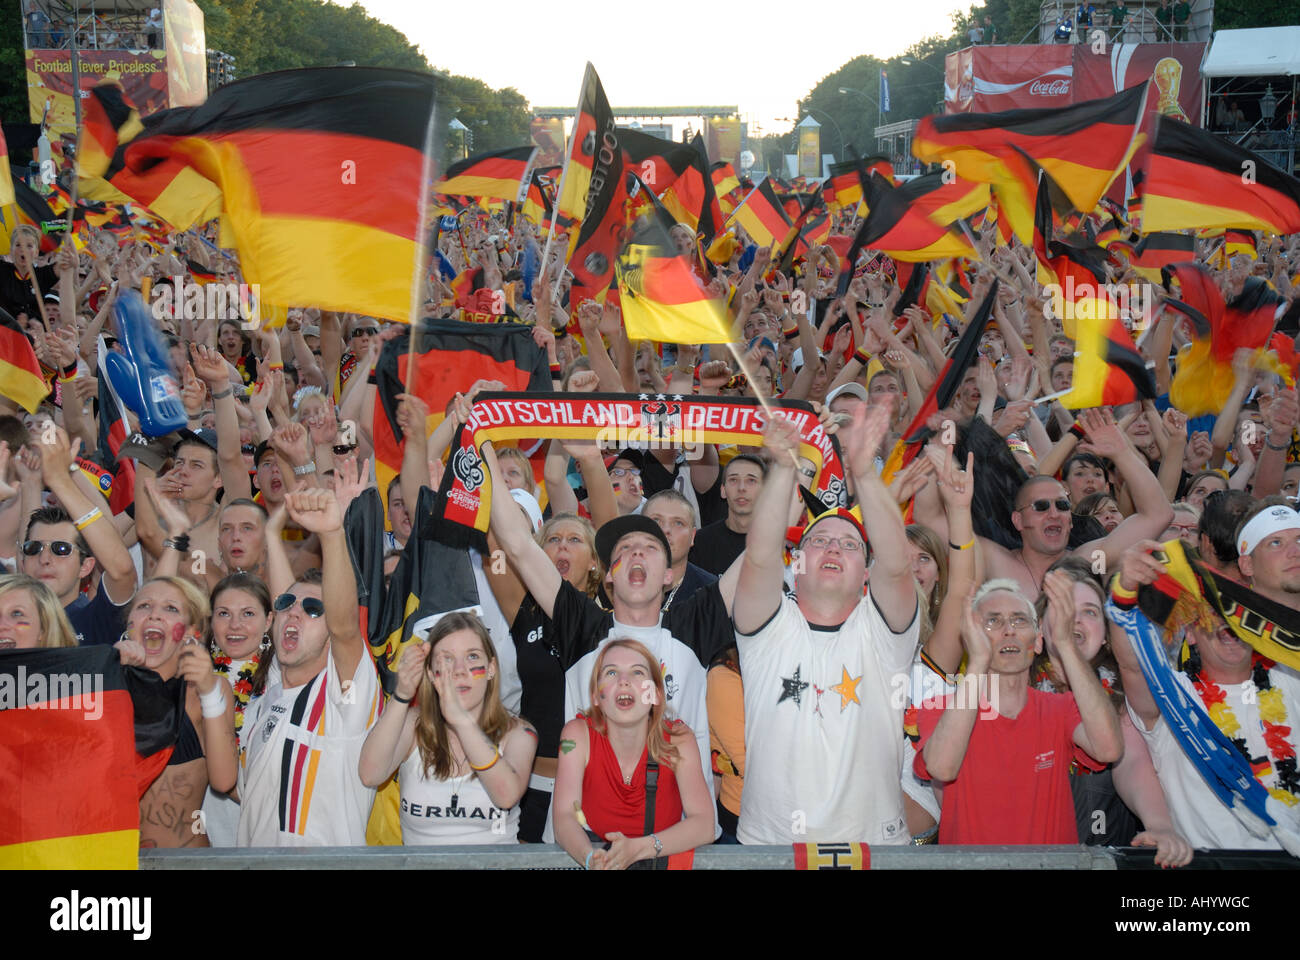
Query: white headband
529, 503
1263, 524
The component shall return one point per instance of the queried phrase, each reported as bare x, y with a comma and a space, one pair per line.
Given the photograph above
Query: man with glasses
298, 780
62, 544
1042, 512
361, 333
826, 673
1001, 749
625, 477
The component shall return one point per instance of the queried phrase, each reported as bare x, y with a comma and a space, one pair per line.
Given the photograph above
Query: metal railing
714, 857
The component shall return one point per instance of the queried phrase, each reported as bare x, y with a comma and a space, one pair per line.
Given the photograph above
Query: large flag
1152, 253
725, 184
1204, 377
450, 357
662, 297
6, 175
1195, 179
69, 755
901, 229
496, 175
20, 372
319, 173
792, 244
593, 146
761, 215
692, 199
1084, 147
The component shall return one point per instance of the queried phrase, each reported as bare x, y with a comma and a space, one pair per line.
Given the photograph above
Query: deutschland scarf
617, 421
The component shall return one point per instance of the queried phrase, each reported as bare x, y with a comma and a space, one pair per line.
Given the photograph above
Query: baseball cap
852, 389
260, 451
634, 457
611, 532
205, 436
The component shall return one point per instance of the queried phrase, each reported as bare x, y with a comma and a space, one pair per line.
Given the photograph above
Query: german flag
592, 146
761, 215
537, 206
792, 245
902, 231
20, 372
6, 175
661, 295
318, 172
1084, 147
496, 175
725, 183
450, 357
32, 209
108, 121
67, 746
691, 198
1108, 369
1204, 378
1237, 242
1195, 179
944, 200
1156, 251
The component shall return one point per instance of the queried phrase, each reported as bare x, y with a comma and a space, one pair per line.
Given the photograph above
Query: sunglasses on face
366, 332
624, 472
1042, 506
312, 606
343, 449
60, 548
247, 449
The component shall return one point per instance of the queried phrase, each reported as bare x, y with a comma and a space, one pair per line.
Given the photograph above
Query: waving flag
21, 379
496, 175
761, 215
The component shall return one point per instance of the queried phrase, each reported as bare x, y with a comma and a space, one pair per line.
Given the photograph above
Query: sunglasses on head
1042, 506
312, 606
60, 548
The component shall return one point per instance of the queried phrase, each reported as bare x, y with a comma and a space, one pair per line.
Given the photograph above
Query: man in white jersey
298, 779
684, 635
826, 673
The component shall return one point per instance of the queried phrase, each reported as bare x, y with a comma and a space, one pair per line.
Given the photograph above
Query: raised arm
212, 369
945, 749
512, 532
1098, 730
762, 570
956, 487
1152, 511
1137, 568
318, 511
390, 740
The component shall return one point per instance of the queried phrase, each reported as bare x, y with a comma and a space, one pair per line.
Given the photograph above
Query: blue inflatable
142, 373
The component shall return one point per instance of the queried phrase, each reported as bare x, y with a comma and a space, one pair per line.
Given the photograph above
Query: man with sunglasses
361, 333
625, 476
298, 780
62, 545
1043, 519
823, 713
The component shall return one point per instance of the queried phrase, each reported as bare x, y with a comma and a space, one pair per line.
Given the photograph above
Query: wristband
862, 356
557, 371
964, 546
371, 378
490, 764
401, 699
180, 543
792, 333
223, 394
69, 371
304, 468
275, 366
86, 519
1078, 431
1119, 592
213, 703
586, 864
1283, 446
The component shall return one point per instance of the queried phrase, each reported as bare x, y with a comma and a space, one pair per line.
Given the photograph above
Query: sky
762, 56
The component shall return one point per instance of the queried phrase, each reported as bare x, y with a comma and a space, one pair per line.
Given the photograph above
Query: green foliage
13, 64
1239, 14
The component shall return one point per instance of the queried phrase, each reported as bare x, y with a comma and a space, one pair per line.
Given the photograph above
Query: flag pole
420, 278
763, 401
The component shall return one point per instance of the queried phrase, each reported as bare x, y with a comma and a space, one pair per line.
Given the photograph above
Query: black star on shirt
792, 688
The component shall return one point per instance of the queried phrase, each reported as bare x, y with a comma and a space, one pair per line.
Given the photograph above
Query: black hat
610, 533
260, 451
634, 457
206, 437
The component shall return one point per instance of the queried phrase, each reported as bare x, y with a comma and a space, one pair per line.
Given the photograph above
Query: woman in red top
604, 756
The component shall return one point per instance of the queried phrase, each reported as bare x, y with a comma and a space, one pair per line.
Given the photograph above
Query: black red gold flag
496, 175
318, 172
896, 226
1195, 179
20, 372
761, 215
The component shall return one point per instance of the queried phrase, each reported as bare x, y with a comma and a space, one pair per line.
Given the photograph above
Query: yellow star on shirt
847, 688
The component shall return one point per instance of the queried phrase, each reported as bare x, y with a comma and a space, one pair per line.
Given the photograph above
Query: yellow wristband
1119, 592
87, 519
490, 764
964, 546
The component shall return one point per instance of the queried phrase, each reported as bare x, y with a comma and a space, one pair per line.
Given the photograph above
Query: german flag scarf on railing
616, 421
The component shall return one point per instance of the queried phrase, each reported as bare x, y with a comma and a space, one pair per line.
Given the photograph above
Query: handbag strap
651, 793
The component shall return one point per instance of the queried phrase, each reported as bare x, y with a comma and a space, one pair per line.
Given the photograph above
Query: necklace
460, 781
1281, 759
242, 684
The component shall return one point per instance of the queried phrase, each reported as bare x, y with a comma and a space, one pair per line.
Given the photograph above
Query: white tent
1261, 52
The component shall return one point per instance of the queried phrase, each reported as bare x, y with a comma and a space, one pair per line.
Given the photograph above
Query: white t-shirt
1197, 812
510, 686
429, 817
823, 728
298, 779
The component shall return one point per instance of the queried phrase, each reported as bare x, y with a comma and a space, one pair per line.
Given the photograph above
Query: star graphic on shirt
847, 688
792, 688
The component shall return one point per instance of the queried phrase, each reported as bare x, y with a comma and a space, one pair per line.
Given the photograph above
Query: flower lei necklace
1272, 715
242, 685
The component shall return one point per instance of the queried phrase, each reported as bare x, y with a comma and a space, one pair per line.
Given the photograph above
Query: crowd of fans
676, 650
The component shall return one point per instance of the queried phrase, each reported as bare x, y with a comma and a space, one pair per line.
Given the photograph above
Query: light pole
838, 132
869, 98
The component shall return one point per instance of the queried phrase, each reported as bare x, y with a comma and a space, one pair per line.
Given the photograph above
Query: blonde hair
197, 608
660, 747
56, 631
431, 733
595, 575
26, 229
514, 453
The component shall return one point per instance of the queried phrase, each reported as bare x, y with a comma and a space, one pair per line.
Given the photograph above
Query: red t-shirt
610, 805
1014, 782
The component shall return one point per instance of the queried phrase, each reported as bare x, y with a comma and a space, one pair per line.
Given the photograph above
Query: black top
96, 621
16, 294
692, 580
540, 672
716, 548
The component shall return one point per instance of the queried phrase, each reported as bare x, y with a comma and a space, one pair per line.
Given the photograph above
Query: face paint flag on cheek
477, 671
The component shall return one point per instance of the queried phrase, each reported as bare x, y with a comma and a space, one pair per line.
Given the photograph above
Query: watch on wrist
303, 469
659, 847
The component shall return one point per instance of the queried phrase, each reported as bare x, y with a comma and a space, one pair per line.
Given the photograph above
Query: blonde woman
629, 773
31, 616
463, 760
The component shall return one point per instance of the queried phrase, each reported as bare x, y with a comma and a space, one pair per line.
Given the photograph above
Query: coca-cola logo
1049, 88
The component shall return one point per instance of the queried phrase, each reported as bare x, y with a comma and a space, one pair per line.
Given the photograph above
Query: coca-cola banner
989, 79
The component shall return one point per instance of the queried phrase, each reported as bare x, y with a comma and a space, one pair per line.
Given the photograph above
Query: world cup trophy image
1168, 75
